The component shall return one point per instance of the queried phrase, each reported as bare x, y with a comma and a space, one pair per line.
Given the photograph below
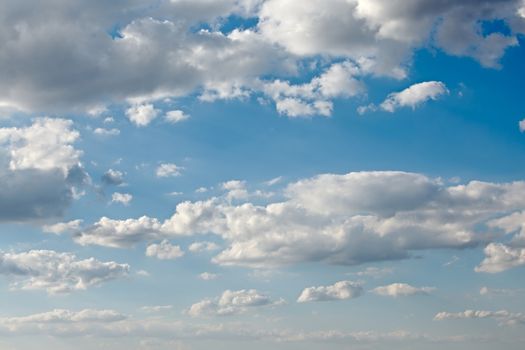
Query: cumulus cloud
521, 125
40, 169
164, 251
142, 115
503, 317
106, 132
197, 247
341, 290
345, 219
230, 303
500, 257
57, 272
401, 290
122, 198
412, 97
113, 177
157, 53
176, 116
63, 227
168, 170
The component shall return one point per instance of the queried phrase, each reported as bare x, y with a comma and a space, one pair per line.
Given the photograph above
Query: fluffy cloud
521, 125
63, 227
339, 219
57, 272
401, 289
341, 290
230, 303
168, 170
197, 247
156, 53
113, 177
164, 251
412, 96
106, 132
502, 316
40, 169
499, 257
176, 116
142, 115
122, 198
119, 233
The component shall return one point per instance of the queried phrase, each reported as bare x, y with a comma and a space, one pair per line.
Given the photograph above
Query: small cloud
273, 181
341, 290
122, 198
156, 308
63, 227
164, 251
207, 276
143, 273
401, 289
113, 177
168, 170
106, 132
203, 247
142, 115
109, 120
176, 116
521, 125
201, 190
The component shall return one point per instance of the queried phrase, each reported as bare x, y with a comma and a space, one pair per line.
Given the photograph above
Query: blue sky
342, 174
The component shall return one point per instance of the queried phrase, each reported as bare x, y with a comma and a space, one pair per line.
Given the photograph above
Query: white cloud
63, 227
208, 276
156, 308
341, 290
119, 233
197, 247
106, 132
40, 169
414, 95
57, 272
503, 317
122, 198
58, 316
176, 116
45, 145
230, 303
348, 219
401, 290
521, 125
113, 177
375, 272
164, 251
168, 170
142, 115
499, 258
158, 54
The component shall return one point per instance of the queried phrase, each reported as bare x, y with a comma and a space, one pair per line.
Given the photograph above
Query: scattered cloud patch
401, 290
500, 257
142, 115
164, 251
57, 272
168, 170
122, 198
230, 303
341, 290
176, 116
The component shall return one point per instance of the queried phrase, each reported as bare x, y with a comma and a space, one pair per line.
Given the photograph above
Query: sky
317, 174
